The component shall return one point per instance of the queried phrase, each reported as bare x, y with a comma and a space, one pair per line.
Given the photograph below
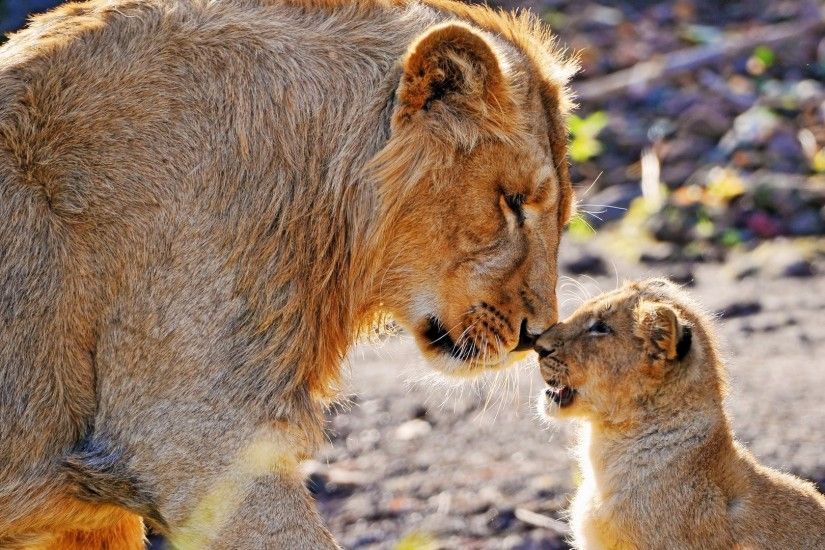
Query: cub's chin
558, 401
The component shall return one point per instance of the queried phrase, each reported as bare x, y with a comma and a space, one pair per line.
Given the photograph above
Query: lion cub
661, 468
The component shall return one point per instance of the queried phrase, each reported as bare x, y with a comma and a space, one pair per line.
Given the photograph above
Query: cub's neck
644, 455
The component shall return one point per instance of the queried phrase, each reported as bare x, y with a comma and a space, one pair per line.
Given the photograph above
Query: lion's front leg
259, 501
274, 513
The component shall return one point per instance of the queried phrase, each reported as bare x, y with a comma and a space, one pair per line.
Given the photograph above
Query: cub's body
688, 503
660, 464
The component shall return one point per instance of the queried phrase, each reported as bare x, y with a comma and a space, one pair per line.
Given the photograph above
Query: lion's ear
663, 333
451, 71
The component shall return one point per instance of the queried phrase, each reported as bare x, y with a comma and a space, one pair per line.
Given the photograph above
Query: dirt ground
419, 462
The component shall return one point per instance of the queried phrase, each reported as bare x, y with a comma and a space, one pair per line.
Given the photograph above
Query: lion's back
116, 117
97, 131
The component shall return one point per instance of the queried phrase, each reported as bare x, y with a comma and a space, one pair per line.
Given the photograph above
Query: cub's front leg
591, 529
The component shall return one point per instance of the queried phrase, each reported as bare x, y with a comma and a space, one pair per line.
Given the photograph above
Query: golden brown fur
661, 467
204, 204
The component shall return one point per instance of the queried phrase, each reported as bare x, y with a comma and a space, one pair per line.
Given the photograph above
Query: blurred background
698, 153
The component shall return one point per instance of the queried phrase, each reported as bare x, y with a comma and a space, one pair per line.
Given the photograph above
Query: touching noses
546, 345
539, 320
526, 339
538, 301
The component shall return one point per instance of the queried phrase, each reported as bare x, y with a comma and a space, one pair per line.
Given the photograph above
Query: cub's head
640, 350
474, 191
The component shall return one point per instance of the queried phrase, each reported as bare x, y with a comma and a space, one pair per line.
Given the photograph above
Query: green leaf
765, 55
575, 123
578, 227
590, 126
554, 19
818, 162
416, 541
583, 148
730, 238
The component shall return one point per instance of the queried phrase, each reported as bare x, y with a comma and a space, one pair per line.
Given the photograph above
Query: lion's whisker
578, 284
589, 187
575, 286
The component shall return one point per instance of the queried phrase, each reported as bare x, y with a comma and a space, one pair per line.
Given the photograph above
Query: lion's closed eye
515, 202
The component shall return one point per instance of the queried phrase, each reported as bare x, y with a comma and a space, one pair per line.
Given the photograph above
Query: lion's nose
526, 340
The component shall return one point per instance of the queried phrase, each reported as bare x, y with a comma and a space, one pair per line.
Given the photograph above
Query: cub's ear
451, 71
663, 333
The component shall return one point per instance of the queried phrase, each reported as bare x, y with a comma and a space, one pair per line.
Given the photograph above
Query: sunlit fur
660, 464
205, 202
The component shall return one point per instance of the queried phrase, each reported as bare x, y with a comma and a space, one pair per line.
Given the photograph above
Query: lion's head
474, 187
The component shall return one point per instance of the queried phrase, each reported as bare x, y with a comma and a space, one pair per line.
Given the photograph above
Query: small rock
672, 224
464, 503
747, 159
740, 309
799, 268
746, 270
412, 429
362, 440
763, 225
534, 541
361, 505
680, 101
501, 520
705, 252
371, 538
319, 485
659, 253
755, 125
542, 521
515, 542
660, 129
331, 482
676, 174
682, 275
418, 411
604, 15
587, 264
687, 147
807, 222
785, 146
705, 119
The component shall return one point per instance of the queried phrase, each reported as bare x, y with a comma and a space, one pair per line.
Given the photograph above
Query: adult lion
204, 202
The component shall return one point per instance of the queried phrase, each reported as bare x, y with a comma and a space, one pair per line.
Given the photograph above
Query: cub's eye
599, 327
515, 202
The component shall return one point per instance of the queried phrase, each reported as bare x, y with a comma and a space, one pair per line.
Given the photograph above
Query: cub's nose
545, 344
526, 340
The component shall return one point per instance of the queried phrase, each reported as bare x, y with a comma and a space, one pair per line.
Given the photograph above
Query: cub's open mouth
559, 394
